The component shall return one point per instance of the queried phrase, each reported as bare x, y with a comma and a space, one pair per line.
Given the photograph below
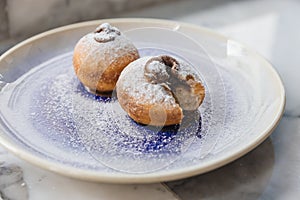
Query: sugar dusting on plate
54, 105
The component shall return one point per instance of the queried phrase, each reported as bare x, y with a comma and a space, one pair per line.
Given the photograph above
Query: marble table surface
271, 171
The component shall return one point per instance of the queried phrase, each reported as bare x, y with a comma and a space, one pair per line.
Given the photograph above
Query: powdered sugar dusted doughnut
100, 57
156, 90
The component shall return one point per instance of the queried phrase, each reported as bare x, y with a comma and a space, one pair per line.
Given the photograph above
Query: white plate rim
152, 177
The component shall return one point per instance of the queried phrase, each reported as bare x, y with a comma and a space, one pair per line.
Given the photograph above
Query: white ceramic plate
48, 119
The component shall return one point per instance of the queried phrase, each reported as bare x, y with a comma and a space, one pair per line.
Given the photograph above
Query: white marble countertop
271, 171
21, 181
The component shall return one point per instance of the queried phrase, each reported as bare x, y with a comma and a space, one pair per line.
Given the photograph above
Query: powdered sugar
108, 52
156, 72
59, 117
105, 33
147, 81
133, 82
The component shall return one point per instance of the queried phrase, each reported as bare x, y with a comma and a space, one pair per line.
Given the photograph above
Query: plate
48, 119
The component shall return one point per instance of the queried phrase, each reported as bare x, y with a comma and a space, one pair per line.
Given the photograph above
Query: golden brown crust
197, 89
98, 80
150, 114
98, 65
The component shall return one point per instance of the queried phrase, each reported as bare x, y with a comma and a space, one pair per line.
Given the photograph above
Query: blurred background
272, 27
20, 19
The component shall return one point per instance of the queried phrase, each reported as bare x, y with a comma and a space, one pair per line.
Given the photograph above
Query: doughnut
99, 58
156, 90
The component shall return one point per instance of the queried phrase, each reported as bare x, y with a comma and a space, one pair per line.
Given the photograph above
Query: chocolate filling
178, 85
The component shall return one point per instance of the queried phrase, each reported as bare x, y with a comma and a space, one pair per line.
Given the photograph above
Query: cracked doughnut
99, 58
156, 90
